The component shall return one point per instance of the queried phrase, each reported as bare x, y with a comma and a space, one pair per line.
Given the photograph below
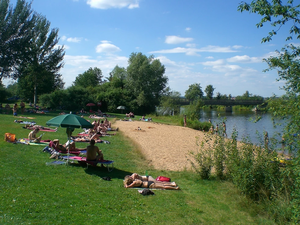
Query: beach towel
41, 129
25, 122
56, 163
27, 142
79, 159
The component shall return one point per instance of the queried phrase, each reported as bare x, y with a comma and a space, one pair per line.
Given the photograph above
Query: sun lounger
82, 160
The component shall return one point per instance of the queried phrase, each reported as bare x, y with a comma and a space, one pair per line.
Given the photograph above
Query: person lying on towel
93, 153
136, 176
59, 147
32, 136
131, 183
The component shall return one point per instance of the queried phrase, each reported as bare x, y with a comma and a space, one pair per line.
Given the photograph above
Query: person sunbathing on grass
32, 136
102, 130
131, 183
94, 136
59, 147
31, 127
136, 176
93, 153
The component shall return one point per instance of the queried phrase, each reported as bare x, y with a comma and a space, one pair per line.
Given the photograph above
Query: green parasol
69, 121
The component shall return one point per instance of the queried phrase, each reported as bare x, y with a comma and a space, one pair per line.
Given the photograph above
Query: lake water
244, 123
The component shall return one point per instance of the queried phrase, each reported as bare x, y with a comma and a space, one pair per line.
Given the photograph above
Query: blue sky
206, 42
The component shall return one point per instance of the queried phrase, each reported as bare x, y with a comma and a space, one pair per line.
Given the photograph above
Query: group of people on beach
93, 153
216, 130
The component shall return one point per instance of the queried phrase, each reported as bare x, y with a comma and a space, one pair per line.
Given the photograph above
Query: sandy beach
165, 147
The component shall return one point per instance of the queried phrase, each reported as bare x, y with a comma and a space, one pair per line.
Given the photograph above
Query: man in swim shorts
93, 153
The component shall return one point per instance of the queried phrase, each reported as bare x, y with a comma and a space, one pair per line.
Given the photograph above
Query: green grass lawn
32, 192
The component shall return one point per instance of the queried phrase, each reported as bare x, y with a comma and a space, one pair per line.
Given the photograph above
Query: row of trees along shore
29, 54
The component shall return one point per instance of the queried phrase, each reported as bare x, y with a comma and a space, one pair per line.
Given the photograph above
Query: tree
90, 78
146, 81
219, 96
277, 14
194, 92
117, 77
209, 90
15, 34
287, 64
170, 102
40, 72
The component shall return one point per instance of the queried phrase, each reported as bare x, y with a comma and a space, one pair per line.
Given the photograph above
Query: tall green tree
194, 92
146, 81
40, 74
117, 77
90, 78
287, 13
16, 26
209, 90
170, 102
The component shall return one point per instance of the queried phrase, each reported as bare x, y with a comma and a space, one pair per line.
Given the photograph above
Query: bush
196, 124
203, 162
254, 170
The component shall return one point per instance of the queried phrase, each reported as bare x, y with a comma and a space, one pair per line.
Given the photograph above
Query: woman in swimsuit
130, 183
136, 176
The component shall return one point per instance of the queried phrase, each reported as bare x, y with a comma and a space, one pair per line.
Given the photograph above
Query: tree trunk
35, 94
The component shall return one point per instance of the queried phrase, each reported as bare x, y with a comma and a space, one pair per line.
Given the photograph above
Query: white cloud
188, 29
107, 47
75, 65
75, 39
244, 59
177, 40
106, 4
221, 66
190, 45
194, 51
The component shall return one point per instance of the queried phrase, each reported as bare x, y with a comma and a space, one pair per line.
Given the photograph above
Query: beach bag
10, 137
164, 179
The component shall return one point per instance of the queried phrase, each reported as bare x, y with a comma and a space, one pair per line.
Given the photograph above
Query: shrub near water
251, 168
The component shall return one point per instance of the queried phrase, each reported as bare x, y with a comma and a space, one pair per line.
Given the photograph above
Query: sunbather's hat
56, 140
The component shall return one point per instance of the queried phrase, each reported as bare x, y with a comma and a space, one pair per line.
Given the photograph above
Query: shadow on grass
102, 171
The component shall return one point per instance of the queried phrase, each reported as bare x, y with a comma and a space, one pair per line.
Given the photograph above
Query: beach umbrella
70, 122
90, 105
121, 107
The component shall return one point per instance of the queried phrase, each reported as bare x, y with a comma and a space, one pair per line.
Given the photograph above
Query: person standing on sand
224, 129
217, 129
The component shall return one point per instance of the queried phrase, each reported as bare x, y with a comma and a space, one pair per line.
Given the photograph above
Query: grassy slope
33, 193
